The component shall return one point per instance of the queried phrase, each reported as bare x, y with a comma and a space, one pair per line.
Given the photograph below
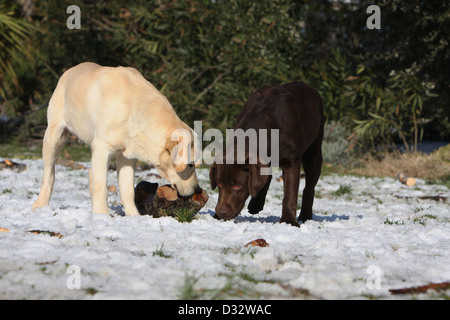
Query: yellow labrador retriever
117, 112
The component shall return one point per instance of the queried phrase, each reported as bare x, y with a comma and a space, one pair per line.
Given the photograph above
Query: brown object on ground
403, 178
50, 233
112, 188
422, 289
8, 164
435, 198
410, 182
164, 201
257, 243
68, 162
4, 230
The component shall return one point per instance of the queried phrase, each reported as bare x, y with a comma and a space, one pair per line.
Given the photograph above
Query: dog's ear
256, 181
179, 157
180, 149
212, 176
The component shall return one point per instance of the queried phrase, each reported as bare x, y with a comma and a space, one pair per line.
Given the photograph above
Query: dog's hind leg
97, 177
54, 138
312, 164
125, 173
291, 182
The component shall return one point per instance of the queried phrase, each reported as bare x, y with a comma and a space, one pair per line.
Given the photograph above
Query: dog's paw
290, 221
131, 211
38, 205
254, 206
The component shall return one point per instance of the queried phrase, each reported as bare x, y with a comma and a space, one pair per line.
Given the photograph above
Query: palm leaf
13, 40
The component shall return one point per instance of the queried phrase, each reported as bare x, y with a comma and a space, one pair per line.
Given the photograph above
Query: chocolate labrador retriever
296, 109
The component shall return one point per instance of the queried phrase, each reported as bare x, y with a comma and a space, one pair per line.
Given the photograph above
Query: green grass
77, 152
187, 290
343, 189
394, 222
184, 215
13, 150
159, 252
443, 180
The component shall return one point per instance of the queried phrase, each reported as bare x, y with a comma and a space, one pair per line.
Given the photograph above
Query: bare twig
422, 289
211, 86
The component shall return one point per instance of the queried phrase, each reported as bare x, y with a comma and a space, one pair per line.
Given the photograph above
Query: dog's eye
220, 184
237, 186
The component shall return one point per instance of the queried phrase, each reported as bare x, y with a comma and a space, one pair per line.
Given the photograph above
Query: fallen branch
50, 233
435, 198
422, 289
211, 86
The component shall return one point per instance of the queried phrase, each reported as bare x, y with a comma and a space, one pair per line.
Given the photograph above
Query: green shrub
336, 147
208, 57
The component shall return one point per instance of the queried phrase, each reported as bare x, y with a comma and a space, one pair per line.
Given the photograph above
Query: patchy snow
380, 236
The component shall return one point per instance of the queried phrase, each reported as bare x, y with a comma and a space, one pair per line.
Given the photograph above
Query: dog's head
177, 161
235, 182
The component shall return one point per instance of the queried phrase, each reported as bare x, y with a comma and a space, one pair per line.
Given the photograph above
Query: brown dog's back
296, 109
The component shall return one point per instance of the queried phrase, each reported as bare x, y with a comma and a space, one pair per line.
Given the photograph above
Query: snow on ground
362, 242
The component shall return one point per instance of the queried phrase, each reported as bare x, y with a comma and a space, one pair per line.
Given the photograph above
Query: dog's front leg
125, 173
257, 204
97, 177
291, 181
